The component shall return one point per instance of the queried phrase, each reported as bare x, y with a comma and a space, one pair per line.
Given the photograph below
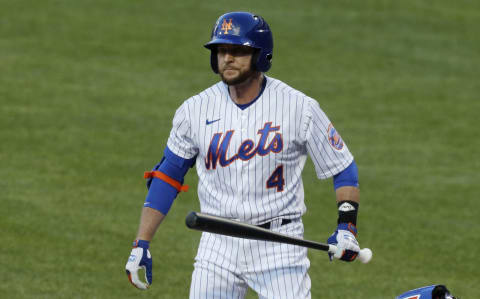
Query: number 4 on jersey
276, 179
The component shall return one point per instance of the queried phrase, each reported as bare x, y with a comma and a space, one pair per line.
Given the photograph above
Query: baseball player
248, 137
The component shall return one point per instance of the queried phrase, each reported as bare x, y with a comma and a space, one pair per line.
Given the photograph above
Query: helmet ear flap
255, 59
214, 60
269, 58
260, 64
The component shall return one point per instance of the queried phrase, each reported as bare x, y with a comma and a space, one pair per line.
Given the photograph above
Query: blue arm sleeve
348, 177
161, 194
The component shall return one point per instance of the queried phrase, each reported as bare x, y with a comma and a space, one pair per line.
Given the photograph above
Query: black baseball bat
223, 226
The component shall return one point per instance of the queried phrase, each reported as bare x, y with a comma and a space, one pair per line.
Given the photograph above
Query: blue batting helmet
429, 292
246, 29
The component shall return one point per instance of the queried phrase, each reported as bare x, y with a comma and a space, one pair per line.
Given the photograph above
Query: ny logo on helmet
226, 26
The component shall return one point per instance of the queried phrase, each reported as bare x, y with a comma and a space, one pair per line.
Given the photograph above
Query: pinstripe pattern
282, 127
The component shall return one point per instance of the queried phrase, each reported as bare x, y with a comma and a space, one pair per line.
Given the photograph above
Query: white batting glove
140, 257
344, 239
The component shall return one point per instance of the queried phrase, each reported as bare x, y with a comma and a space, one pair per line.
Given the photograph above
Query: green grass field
88, 90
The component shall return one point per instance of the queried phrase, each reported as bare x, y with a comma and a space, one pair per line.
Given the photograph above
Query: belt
269, 224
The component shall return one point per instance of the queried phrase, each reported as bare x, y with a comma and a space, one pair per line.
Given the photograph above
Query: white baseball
365, 255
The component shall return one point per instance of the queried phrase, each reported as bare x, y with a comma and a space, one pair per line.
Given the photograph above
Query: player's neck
247, 91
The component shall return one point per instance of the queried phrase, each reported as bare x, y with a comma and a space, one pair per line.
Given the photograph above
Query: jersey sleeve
325, 146
181, 141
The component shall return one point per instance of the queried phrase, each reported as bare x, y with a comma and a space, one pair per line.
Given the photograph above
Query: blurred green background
88, 90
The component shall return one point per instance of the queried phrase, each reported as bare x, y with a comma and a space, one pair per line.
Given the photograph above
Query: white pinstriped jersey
249, 162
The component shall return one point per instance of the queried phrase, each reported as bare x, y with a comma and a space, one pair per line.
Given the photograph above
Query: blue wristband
141, 243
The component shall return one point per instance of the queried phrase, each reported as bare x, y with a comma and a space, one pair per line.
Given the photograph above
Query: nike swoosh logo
211, 122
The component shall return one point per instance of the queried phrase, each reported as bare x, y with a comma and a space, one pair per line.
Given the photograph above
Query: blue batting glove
140, 257
344, 239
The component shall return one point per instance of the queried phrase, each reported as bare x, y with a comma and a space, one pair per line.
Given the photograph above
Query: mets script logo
413, 297
226, 26
217, 151
334, 138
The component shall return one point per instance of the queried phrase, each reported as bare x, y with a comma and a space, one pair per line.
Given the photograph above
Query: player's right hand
344, 239
140, 257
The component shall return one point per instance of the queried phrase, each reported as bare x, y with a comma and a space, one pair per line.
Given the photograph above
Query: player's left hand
140, 257
344, 239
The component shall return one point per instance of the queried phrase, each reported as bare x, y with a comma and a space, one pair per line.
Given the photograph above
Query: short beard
242, 78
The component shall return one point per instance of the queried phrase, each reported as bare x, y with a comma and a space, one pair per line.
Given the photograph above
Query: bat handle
364, 256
